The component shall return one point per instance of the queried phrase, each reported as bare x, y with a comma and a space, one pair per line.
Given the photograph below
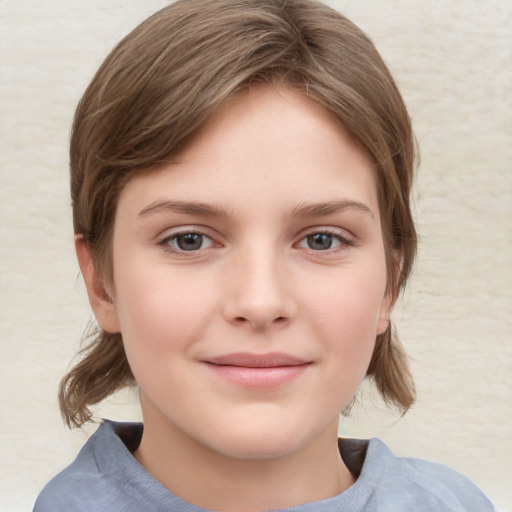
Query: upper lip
250, 360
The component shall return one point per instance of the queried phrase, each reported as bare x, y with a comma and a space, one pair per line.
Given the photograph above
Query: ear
102, 304
391, 294
386, 308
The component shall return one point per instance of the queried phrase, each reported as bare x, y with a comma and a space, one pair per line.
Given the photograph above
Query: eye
189, 241
319, 241
325, 241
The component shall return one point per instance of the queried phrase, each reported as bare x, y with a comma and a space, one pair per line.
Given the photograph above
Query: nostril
243, 320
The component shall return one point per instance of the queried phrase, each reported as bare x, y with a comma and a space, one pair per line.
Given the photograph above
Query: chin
261, 449
260, 443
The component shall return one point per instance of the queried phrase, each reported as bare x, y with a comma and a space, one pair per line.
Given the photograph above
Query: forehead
266, 148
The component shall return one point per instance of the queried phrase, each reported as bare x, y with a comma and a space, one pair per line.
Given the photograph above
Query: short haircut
169, 76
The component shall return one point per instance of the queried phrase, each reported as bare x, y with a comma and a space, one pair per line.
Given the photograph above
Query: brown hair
169, 76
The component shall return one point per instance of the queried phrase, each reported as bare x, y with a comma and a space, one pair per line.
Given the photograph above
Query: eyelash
344, 242
166, 242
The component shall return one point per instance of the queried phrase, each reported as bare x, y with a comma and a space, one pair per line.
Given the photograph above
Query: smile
260, 371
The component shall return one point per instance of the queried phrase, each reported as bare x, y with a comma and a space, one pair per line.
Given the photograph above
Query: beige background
453, 62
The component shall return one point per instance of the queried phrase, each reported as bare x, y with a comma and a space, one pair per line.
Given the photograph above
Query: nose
259, 293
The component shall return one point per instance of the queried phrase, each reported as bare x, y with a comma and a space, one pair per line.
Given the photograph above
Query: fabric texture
106, 477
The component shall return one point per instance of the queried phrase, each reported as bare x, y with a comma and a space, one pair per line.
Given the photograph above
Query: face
249, 278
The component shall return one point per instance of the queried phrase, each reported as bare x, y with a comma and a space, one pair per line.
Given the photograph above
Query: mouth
260, 371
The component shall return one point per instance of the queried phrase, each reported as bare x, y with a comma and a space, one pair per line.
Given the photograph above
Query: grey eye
319, 241
189, 241
186, 242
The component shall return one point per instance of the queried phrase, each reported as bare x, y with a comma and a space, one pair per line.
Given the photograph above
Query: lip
260, 371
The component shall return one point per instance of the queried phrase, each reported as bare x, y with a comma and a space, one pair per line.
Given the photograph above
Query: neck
215, 481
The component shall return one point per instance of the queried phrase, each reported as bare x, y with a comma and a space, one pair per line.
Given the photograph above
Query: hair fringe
102, 370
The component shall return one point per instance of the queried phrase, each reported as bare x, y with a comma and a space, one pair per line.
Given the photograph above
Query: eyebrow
329, 207
302, 210
190, 208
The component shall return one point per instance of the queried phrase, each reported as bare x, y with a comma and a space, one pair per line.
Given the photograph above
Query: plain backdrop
453, 62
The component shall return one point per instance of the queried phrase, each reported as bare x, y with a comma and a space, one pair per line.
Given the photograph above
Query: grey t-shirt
105, 477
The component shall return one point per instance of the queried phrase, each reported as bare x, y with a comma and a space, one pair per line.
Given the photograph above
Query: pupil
189, 242
320, 241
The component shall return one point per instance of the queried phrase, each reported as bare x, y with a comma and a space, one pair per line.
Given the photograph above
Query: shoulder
93, 481
73, 490
408, 484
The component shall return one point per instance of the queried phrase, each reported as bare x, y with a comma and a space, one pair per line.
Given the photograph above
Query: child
240, 177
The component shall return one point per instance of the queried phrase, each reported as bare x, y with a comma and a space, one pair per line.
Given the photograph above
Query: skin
264, 189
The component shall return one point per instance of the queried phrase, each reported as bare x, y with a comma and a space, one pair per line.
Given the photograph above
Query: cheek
352, 299
160, 314
347, 314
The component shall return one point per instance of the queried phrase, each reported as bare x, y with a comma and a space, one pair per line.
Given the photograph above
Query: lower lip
259, 378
